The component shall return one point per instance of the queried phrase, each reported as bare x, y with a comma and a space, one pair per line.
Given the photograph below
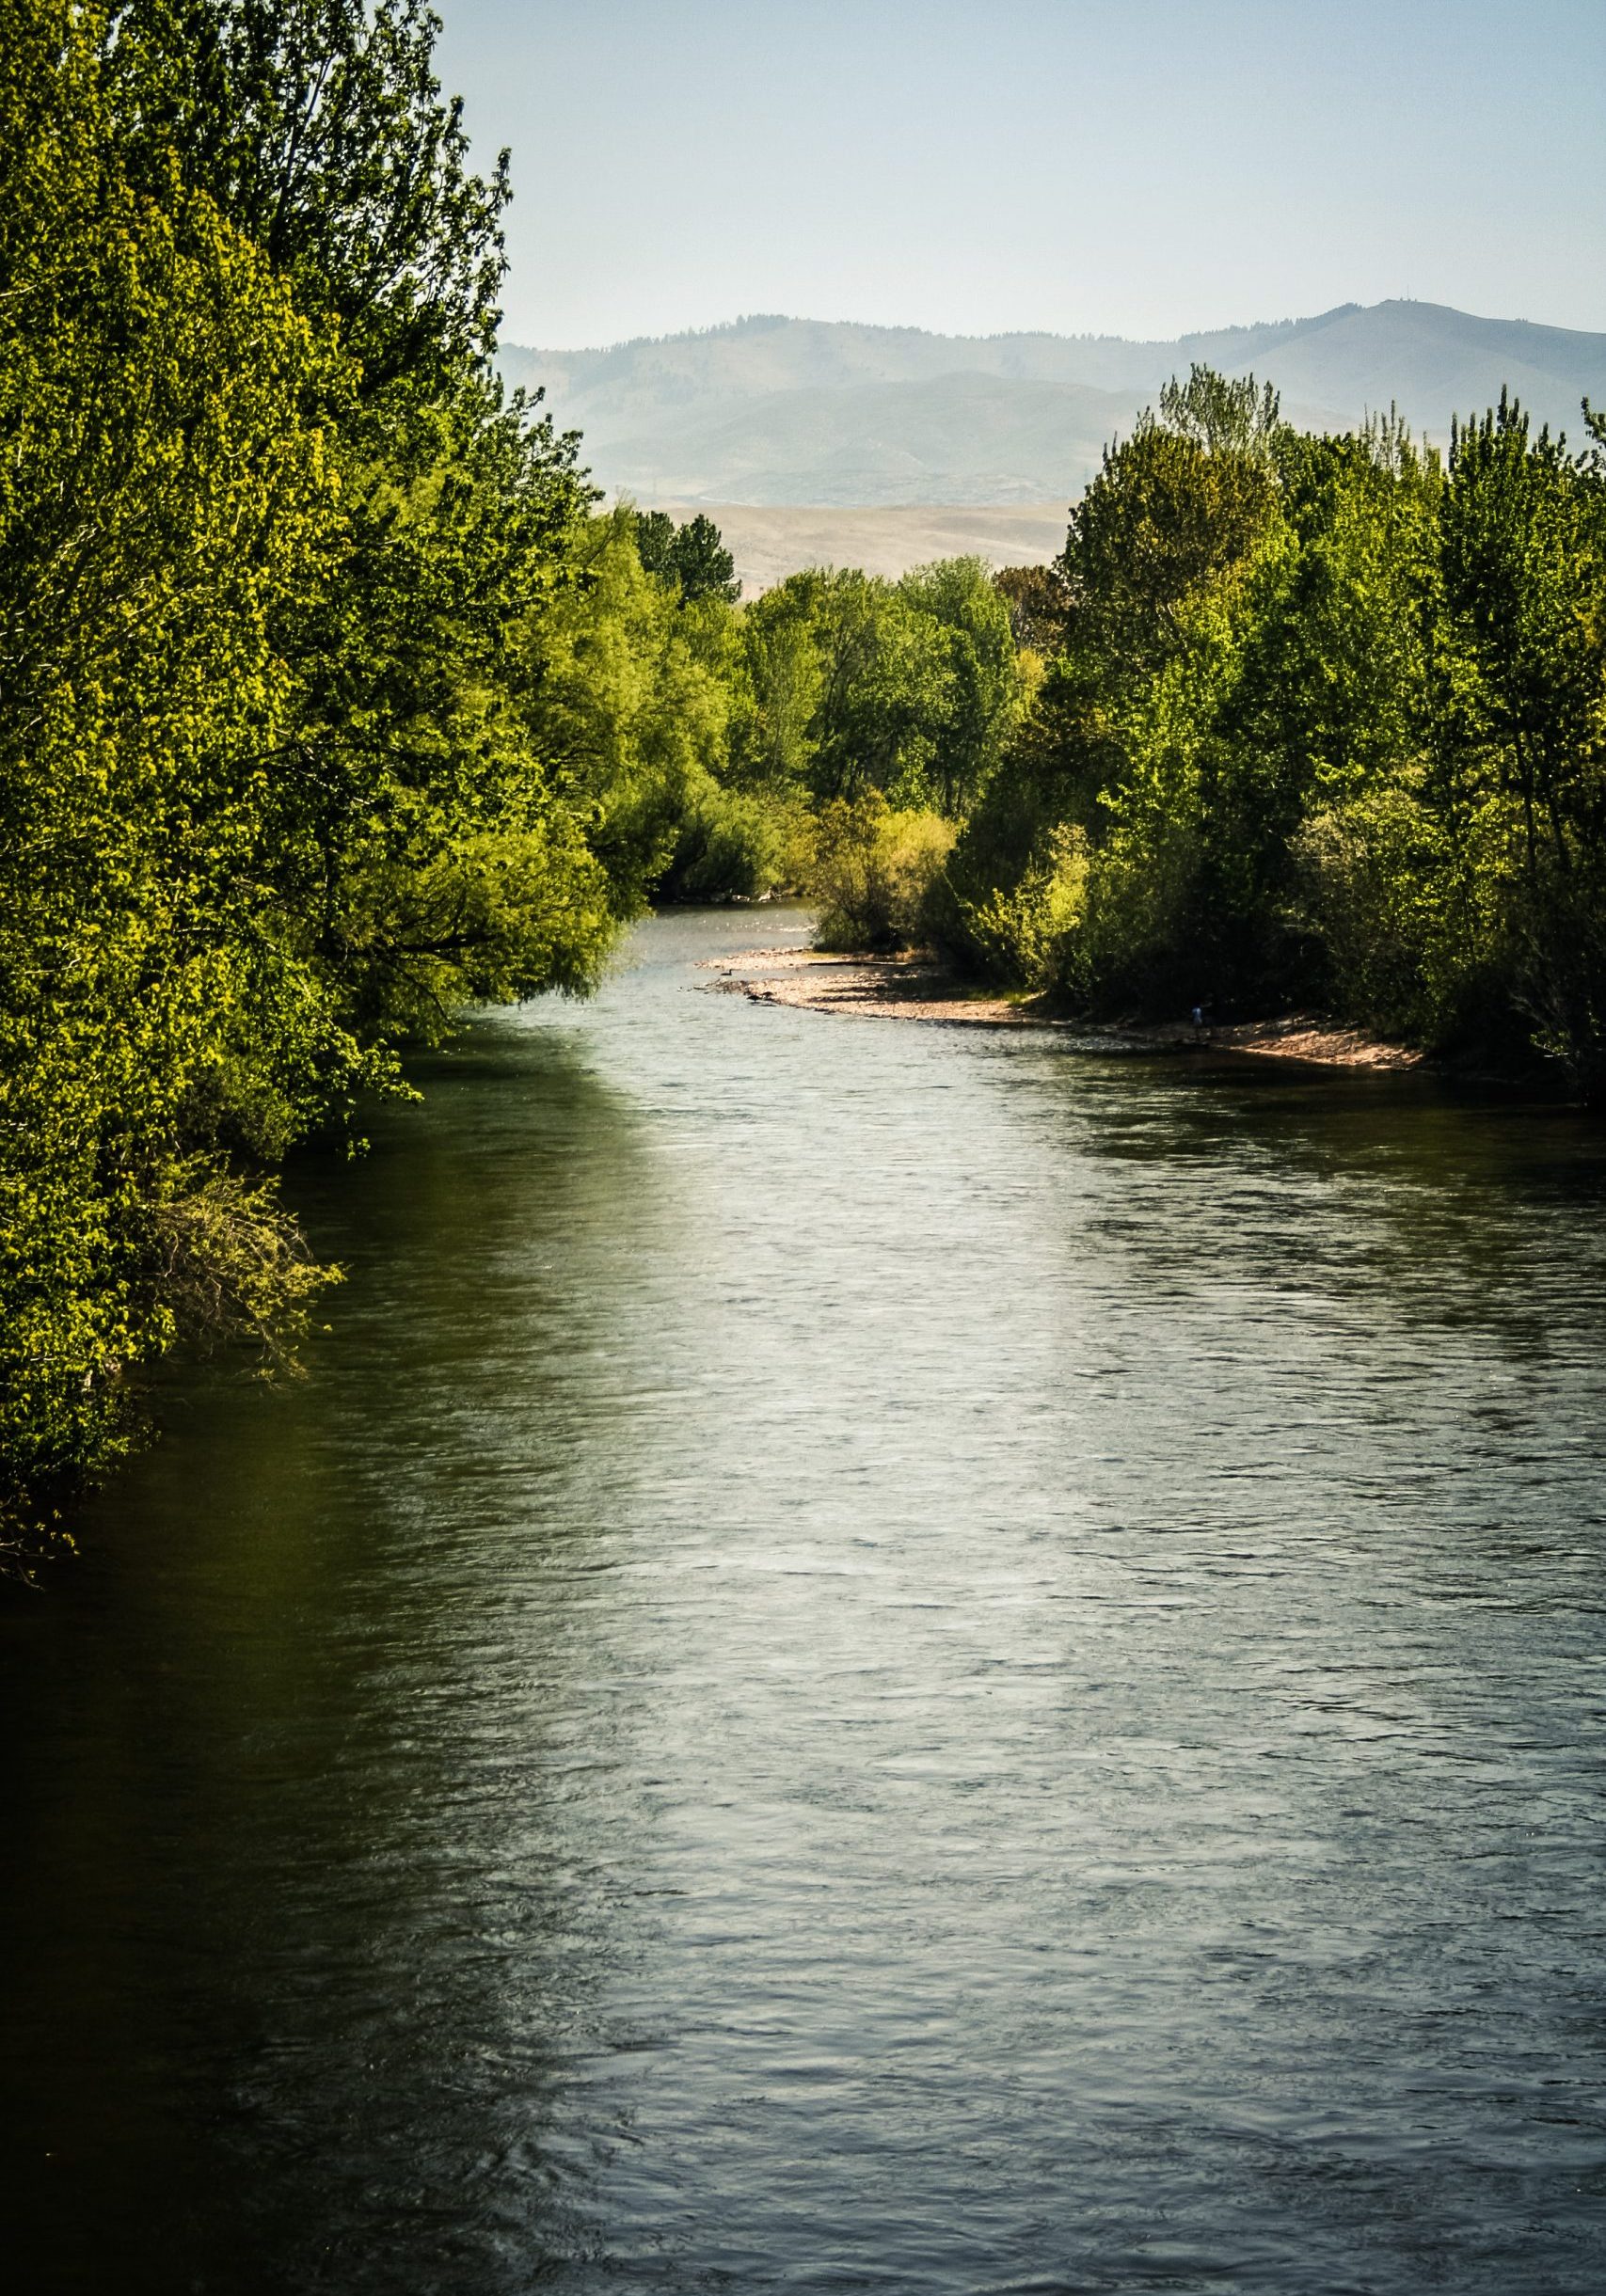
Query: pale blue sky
1125, 167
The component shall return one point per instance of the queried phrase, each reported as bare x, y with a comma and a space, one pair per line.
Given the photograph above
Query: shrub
1026, 934
872, 871
733, 845
1367, 874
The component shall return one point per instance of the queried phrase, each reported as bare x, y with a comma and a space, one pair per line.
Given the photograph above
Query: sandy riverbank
913, 988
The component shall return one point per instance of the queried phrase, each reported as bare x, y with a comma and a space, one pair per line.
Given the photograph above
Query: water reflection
873, 1658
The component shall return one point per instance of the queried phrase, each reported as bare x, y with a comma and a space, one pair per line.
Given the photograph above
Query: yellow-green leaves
269, 802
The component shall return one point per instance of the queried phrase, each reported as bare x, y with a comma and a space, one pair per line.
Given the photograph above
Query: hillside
963, 438
771, 541
774, 411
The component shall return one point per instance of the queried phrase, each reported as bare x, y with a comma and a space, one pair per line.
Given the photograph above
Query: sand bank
913, 988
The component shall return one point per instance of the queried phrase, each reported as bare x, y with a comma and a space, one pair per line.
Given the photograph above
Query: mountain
772, 411
961, 437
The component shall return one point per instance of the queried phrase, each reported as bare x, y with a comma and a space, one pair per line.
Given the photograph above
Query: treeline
1292, 722
330, 703
1322, 722
730, 750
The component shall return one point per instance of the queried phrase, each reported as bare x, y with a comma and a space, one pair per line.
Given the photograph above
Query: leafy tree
272, 559
160, 496
779, 693
1520, 657
1159, 557
1034, 597
319, 129
1328, 695
629, 699
692, 555
975, 703
883, 675
872, 868
1522, 596
1171, 514
1323, 719
1223, 414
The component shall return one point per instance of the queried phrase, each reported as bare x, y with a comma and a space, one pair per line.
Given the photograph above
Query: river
873, 1658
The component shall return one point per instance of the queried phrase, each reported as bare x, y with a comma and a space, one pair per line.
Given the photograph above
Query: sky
1138, 168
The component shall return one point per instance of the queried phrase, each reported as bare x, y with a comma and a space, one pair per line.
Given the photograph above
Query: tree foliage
270, 547
1324, 720
318, 127
694, 557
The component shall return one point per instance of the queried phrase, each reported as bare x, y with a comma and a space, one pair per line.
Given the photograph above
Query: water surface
873, 1658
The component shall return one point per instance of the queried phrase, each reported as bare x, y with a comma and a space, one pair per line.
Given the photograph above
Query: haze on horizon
1138, 168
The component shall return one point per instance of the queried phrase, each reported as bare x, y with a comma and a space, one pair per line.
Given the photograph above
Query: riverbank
913, 987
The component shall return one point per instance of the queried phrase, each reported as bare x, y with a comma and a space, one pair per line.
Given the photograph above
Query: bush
872, 871
1027, 934
231, 1267
1366, 876
734, 844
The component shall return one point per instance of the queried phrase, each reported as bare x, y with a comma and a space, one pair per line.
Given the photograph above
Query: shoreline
914, 988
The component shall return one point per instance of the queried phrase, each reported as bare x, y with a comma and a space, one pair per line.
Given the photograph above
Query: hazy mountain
774, 411
961, 437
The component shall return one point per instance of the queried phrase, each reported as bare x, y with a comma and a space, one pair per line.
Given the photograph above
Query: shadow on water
872, 1658
303, 1691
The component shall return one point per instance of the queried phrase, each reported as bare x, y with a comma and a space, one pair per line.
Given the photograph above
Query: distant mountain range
778, 411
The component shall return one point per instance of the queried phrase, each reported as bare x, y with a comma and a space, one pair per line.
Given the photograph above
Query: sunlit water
873, 1658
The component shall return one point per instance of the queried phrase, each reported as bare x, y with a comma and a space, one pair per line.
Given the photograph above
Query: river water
874, 1657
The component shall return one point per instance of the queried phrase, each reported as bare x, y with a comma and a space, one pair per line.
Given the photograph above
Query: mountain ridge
771, 410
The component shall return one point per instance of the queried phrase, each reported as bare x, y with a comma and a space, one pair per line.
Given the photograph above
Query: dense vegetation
1324, 720
332, 702
271, 551
727, 750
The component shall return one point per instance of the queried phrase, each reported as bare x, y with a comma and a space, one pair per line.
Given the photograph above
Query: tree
1119, 748
703, 565
273, 551
1522, 677
630, 701
319, 129
1523, 595
883, 670
975, 704
692, 555
1037, 605
161, 494
1323, 720
781, 688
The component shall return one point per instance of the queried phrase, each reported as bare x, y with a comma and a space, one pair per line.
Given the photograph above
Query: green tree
1324, 720
779, 693
1520, 665
161, 495
1118, 746
1034, 597
976, 702
630, 700
692, 555
318, 127
883, 676
272, 557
